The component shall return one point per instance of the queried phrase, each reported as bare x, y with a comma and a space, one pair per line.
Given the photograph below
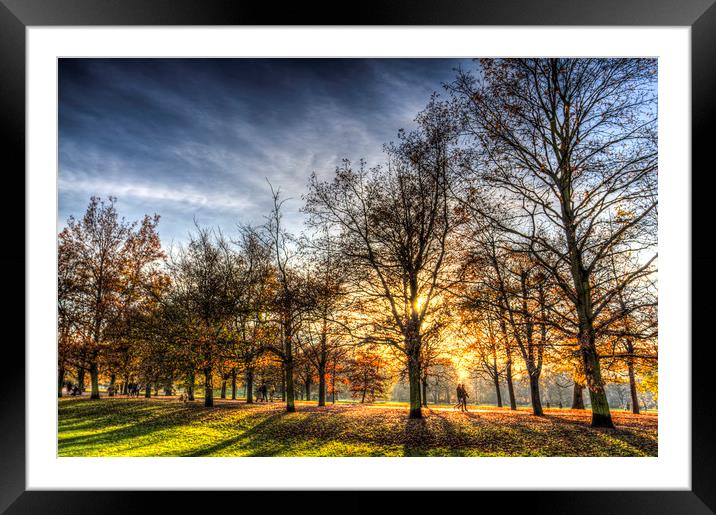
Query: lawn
168, 427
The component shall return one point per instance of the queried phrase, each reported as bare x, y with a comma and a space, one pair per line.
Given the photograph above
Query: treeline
514, 228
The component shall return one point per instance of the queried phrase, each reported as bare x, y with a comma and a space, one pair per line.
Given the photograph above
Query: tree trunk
125, 384
208, 388
333, 381
190, 385
425, 393
496, 380
414, 380
94, 378
510, 386
632, 386
534, 394
249, 386
601, 417
223, 387
289, 390
578, 396
283, 384
112, 383
148, 391
308, 389
233, 384
81, 379
60, 381
322, 383
508, 364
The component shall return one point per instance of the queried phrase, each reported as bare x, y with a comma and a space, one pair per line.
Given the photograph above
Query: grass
167, 427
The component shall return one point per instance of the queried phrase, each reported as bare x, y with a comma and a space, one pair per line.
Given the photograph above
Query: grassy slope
166, 427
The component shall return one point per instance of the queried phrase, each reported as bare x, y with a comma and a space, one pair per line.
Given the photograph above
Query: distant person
260, 393
460, 396
264, 392
463, 403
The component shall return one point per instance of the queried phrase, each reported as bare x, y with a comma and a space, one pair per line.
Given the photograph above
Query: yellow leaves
624, 214
650, 383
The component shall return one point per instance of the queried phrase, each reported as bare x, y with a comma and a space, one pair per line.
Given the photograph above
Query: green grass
167, 427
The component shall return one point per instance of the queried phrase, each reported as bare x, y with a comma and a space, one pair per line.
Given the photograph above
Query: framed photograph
427, 248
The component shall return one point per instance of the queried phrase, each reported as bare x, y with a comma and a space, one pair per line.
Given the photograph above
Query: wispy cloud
189, 196
198, 138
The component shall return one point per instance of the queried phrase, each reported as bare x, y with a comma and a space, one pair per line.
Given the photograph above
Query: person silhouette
461, 396
264, 392
463, 404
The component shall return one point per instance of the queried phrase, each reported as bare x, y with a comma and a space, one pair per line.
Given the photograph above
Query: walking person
460, 392
464, 398
264, 392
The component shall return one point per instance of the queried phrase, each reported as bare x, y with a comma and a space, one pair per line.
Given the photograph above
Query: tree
563, 144
290, 300
487, 362
632, 328
204, 276
68, 290
325, 326
110, 260
367, 375
251, 322
395, 223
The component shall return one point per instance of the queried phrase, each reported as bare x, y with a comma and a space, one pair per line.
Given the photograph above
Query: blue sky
197, 138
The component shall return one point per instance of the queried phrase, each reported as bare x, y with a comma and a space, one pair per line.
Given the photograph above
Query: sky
199, 138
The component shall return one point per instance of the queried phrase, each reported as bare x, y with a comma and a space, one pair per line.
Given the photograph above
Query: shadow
245, 435
136, 421
130, 430
128, 427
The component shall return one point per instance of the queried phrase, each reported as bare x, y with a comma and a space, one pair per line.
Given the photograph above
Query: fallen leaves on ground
166, 427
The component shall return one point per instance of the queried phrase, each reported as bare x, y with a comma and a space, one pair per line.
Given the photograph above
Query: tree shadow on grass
417, 437
639, 438
251, 435
119, 436
136, 421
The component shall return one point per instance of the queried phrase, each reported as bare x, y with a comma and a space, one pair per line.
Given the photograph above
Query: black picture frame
17, 15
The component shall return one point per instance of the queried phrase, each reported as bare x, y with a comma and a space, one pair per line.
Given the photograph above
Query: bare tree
290, 300
395, 223
252, 326
204, 277
325, 325
563, 144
